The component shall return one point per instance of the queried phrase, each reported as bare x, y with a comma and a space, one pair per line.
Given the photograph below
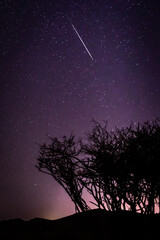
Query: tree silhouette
119, 168
142, 155
59, 159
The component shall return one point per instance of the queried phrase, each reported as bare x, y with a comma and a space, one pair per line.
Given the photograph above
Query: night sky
50, 86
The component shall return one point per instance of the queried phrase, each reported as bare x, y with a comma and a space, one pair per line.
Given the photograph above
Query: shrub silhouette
120, 169
59, 159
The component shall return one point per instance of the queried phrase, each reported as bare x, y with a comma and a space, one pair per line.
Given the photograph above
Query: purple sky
49, 85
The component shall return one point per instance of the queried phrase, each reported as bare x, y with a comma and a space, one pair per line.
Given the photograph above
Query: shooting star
82, 41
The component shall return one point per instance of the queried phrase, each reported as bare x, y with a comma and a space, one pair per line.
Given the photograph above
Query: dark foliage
120, 169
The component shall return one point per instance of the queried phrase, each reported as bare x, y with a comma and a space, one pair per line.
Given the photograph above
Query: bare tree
59, 159
119, 168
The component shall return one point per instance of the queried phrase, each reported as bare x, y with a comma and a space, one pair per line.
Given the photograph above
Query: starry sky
50, 86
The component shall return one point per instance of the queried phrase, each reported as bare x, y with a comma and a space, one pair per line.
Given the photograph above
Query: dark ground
92, 225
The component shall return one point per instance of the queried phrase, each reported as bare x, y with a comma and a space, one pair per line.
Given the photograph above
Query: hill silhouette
91, 225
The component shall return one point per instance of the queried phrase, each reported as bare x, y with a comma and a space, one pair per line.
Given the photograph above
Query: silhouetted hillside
92, 225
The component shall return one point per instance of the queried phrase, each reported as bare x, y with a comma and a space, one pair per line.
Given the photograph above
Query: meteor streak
82, 41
